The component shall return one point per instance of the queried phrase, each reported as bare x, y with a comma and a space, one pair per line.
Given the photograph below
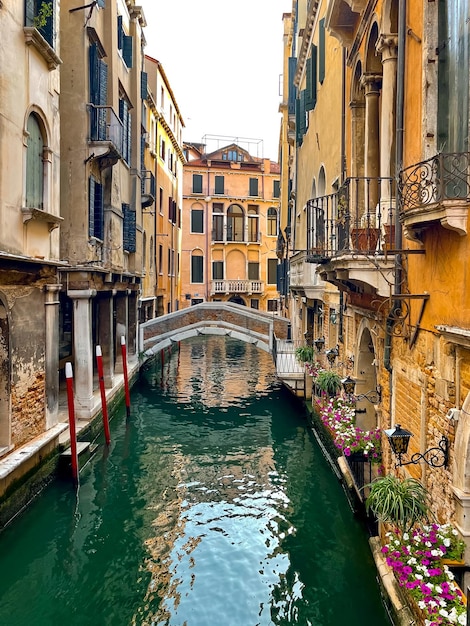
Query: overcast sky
223, 61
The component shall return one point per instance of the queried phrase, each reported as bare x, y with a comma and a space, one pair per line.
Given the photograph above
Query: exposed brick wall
27, 401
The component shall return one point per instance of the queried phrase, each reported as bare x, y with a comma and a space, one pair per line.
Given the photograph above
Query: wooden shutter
129, 228
98, 211
292, 64
120, 32
34, 165
311, 87
253, 186
321, 51
127, 50
143, 85
219, 184
91, 207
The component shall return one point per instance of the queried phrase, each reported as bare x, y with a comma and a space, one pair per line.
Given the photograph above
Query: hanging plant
328, 381
305, 354
402, 503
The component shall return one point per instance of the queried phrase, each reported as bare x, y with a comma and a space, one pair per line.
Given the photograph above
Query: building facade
230, 228
101, 188
165, 154
386, 227
29, 221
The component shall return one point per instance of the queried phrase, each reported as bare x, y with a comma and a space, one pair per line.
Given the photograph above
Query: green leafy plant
44, 13
305, 354
402, 503
328, 381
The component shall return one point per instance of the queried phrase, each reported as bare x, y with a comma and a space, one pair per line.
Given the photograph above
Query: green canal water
213, 507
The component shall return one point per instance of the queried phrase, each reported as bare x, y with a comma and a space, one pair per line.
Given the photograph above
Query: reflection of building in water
247, 370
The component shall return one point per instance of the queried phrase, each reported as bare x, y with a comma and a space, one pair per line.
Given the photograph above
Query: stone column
387, 46
371, 84
52, 354
121, 328
106, 336
132, 323
83, 351
357, 108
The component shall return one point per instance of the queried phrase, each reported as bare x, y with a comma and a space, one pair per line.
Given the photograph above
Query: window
272, 305
124, 44
311, 87
125, 117
35, 165
254, 303
41, 15
276, 188
197, 221
98, 79
217, 270
321, 51
219, 184
253, 271
272, 222
197, 267
253, 221
197, 183
217, 222
161, 200
160, 259
129, 228
253, 187
272, 271
235, 223
95, 209
162, 148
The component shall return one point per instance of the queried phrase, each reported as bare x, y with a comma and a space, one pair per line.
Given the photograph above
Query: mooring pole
72, 430
104, 406
126, 379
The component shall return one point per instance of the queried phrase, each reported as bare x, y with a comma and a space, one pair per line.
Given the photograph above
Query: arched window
35, 165
235, 223
272, 222
197, 266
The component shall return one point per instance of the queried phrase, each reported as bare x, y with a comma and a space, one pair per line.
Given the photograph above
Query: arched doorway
366, 379
237, 300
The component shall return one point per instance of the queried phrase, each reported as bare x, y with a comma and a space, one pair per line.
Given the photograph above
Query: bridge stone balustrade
212, 318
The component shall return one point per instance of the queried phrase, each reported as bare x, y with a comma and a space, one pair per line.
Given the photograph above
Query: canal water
213, 507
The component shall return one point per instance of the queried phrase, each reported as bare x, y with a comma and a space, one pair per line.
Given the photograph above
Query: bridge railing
285, 359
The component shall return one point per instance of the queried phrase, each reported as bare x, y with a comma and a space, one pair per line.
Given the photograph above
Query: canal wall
28, 469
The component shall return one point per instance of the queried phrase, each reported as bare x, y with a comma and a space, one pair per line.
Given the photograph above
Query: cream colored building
101, 187
29, 221
165, 156
230, 228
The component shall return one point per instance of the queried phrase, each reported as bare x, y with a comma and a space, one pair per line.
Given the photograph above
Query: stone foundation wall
28, 416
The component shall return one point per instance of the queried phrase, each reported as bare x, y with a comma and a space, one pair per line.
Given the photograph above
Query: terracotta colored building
230, 228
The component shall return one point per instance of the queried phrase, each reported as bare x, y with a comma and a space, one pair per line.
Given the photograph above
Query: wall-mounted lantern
399, 438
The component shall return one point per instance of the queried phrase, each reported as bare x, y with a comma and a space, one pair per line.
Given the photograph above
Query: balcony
350, 234
148, 188
436, 190
236, 286
106, 134
304, 279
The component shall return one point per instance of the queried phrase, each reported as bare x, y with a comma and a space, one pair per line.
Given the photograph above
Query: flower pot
364, 239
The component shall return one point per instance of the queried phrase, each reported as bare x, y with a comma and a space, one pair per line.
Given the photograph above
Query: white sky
223, 60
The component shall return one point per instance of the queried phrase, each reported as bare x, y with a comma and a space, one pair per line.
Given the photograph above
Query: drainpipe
396, 304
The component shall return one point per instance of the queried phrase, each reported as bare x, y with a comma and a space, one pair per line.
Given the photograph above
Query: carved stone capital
387, 46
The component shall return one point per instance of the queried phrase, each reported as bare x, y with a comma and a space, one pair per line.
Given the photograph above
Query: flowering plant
339, 417
417, 561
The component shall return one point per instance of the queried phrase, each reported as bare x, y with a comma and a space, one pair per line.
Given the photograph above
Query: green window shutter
253, 271
276, 188
308, 88
197, 273
298, 134
143, 85
91, 207
217, 270
197, 221
127, 50
219, 184
120, 32
129, 228
34, 165
197, 183
98, 211
272, 271
30, 12
311, 90
321, 51
253, 186
292, 64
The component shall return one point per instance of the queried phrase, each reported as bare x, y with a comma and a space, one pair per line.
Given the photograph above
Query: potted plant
305, 354
328, 381
402, 503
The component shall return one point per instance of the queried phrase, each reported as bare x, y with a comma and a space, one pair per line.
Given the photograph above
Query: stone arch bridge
266, 331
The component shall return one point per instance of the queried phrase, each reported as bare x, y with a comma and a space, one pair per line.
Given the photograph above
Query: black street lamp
319, 343
374, 396
399, 438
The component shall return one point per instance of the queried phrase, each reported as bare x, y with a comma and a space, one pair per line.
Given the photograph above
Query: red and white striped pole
104, 406
73, 433
126, 379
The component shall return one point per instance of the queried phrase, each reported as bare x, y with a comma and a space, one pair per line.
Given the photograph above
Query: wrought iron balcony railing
443, 177
148, 188
359, 217
105, 126
236, 286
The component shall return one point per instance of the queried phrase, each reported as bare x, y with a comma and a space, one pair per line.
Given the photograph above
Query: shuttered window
197, 268
98, 84
197, 183
219, 184
129, 228
311, 87
95, 209
197, 221
253, 187
321, 51
125, 44
217, 270
41, 15
276, 188
272, 271
34, 165
125, 117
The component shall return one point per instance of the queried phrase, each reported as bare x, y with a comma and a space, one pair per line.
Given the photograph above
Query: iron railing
445, 176
359, 217
148, 188
105, 125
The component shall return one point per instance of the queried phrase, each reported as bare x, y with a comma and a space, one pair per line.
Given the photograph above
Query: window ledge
34, 38
451, 214
29, 214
